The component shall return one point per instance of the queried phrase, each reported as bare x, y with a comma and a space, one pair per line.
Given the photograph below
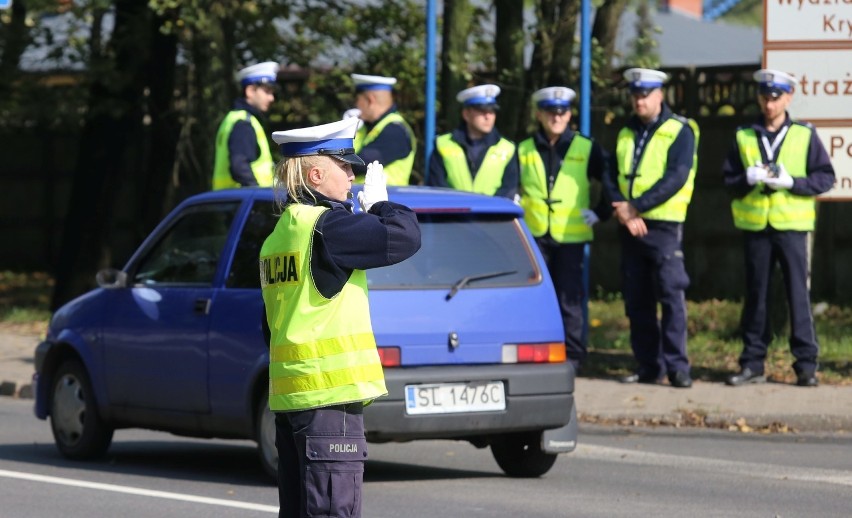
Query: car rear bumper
538, 397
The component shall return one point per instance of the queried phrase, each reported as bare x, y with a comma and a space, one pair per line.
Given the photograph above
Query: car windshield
489, 250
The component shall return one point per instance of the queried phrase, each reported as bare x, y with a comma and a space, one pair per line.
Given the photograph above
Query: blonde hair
291, 179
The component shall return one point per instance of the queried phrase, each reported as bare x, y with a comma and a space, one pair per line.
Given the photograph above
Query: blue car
468, 329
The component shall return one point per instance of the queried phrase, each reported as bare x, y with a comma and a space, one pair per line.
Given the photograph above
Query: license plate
448, 398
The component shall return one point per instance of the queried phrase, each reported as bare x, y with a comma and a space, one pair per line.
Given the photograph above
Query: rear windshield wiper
464, 281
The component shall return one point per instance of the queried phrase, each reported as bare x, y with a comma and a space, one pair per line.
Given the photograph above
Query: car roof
419, 198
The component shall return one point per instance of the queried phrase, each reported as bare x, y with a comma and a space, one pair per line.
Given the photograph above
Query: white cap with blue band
482, 95
335, 140
644, 80
554, 98
364, 82
775, 82
261, 73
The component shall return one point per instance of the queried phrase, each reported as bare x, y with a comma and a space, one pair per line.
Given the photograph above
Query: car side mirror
111, 278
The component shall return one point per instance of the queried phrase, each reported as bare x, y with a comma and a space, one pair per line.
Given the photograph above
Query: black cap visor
491, 107
343, 154
771, 91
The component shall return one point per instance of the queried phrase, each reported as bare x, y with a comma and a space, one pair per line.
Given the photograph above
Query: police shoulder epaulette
803, 123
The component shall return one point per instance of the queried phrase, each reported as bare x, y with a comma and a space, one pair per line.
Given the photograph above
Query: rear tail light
551, 352
390, 356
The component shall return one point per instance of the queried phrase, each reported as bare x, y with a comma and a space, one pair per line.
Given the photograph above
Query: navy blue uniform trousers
653, 273
321, 455
762, 250
565, 263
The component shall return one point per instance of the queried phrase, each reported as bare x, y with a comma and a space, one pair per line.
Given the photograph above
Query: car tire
520, 455
78, 430
265, 437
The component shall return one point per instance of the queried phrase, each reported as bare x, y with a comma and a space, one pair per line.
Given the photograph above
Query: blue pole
429, 130
585, 129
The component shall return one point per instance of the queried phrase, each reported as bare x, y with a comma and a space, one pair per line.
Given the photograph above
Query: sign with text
824, 92
798, 21
838, 143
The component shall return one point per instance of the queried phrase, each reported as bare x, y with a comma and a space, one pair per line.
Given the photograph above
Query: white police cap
365, 82
482, 95
266, 72
554, 98
644, 79
775, 82
335, 139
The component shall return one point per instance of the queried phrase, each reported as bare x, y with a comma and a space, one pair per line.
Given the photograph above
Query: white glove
782, 181
756, 173
353, 113
375, 186
590, 217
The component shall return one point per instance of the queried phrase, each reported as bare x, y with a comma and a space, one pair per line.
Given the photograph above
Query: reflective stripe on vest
398, 171
488, 178
322, 351
781, 209
651, 167
563, 217
262, 167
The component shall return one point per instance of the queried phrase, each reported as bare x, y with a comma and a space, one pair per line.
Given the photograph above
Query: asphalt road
613, 473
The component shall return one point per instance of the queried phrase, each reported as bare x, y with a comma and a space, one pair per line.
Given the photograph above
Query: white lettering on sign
808, 20
838, 143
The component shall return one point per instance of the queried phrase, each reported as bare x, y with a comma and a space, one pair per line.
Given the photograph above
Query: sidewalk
759, 408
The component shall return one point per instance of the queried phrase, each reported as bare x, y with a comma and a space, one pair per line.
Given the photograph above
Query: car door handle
202, 306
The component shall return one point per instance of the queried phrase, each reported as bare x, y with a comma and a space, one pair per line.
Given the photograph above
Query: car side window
244, 268
189, 251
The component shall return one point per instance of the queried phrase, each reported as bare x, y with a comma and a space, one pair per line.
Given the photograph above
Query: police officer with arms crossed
774, 169
556, 168
656, 160
324, 365
384, 136
474, 157
243, 157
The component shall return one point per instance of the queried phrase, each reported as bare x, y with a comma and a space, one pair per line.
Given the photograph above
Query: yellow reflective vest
322, 351
652, 166
262, 168
398, 171
780, 209
563, 216
488, 178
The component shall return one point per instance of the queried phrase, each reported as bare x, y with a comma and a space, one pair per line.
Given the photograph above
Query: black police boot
640, 378
680, 379
745, 376
807, 379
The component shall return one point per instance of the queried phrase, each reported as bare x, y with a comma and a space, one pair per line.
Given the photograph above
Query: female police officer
324, 365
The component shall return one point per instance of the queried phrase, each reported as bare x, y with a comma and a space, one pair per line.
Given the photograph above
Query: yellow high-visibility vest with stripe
563, 218
322, 351
652, 166
488, 178
398, 171
263, 166
781, 209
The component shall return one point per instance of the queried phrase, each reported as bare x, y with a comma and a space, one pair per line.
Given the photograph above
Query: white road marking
137, 491
772, 471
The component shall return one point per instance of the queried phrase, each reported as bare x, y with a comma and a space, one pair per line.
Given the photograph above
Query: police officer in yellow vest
323, 362
243, 157
774, 169
474, 157
651, 188
557, 166
384, 135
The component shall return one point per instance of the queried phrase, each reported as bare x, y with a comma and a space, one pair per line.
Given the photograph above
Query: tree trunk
605, 30
17, 37
509, 50
458, 16
554, 44
114, 119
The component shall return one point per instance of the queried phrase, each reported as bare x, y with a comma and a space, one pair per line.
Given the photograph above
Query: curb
16, 390
755, 423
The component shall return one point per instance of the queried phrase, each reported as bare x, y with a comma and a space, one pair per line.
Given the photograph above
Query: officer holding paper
774, 170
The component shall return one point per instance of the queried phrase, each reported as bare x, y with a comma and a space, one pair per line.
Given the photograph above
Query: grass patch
24, 300
714, 344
